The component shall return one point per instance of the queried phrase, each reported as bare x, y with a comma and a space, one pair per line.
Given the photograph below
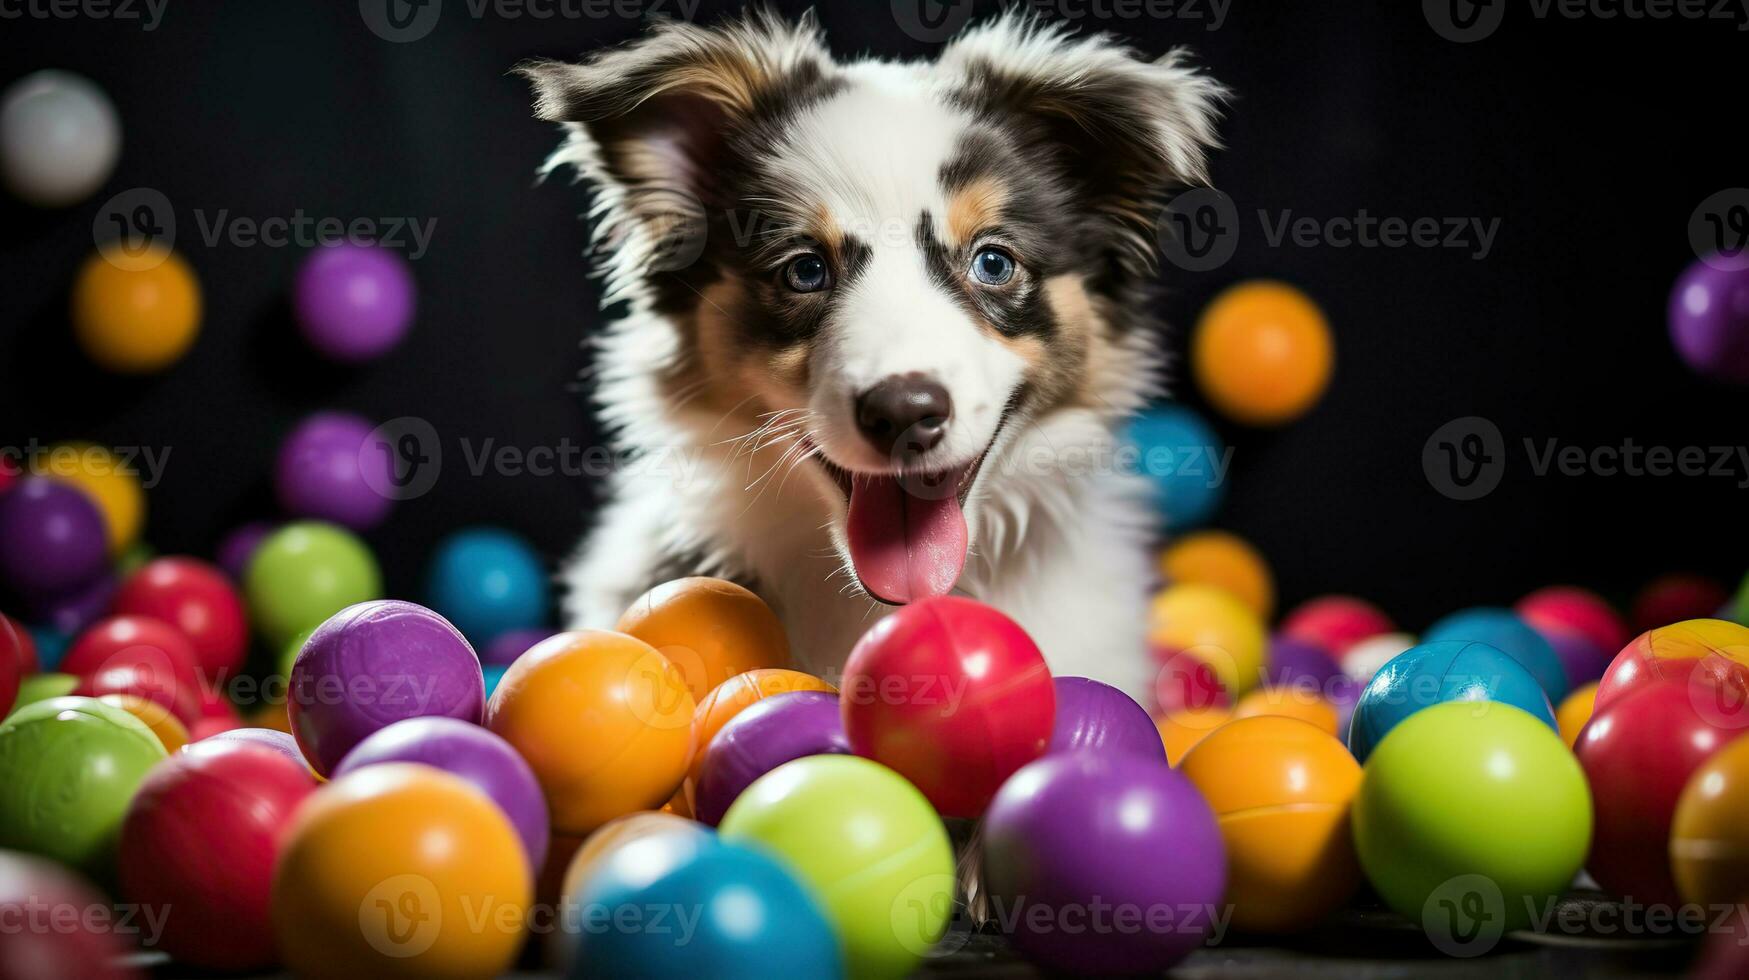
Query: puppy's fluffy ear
1127, 131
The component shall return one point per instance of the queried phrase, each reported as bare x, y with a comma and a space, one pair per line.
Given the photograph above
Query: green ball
289, 655
305, 572
41, 687
1470, 817
68, 769
866, 843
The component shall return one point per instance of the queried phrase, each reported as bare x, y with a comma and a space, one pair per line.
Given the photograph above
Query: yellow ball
1262, 353
1575, 711
110, 483
1289, 702
1225, 561
137, 319
1182, 729
1212, 626
1709, 839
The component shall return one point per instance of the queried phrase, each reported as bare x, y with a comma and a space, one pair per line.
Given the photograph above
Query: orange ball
1225, 561
1281, 790
1575, 711
616, 834
710, 628
603, 719
1291, 701
169, 729
401, 870
1182, 729
1709, 837
1214, 627
737, 694
1262, 353
135, 316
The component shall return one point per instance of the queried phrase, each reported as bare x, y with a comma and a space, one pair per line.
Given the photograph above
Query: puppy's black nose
906, 411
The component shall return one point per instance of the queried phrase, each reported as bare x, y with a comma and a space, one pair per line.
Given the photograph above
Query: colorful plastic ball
110, 483
1363, 660
1435, 796
1262, 353
1182, 729
473, 753
75, 610
1225, 561
354, 302
11, 666
9, 473
199, 842
160, 649
1709, 839
1580, 610
710, 628
866, 844
1096, 717
775, 731
68, 767
1709, 319
52, 537
1184, 459
510, 644
1298, 663
401, 870
1581, 660
34, 896
1575, 712
1677, 598
621, 833
305, 572
198, 601
1639, 750
1503, 630
238, 546
375, 664
1309, 707
41, 687
1281, 790
15, 637
1212, 626
330, 468
1715, 649
166, 727
488, 581
283, 743
136, 317
159, 689
59, 138
493, 674
604, 721
1185, 681
736, 695
1437, 673
1054, 857
1335, 622
952, 695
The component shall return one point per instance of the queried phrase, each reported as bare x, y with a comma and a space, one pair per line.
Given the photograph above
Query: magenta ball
52, 537
1081, 835
373, 664
1580, 657
779, 729
239, 546
76, 608
330, 468
1709, 320
510, 644
474, 754
1300, 664
282, 742
1099, 717
353, 302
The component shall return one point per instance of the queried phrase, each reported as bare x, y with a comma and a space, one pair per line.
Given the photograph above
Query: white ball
59, 138
1364, 659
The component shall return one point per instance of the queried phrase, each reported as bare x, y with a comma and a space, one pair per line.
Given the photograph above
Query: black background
1592, 141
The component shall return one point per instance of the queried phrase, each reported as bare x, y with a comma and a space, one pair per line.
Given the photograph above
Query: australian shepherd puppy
880, 321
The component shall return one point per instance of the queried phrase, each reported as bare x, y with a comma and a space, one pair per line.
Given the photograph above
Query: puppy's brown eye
807, 274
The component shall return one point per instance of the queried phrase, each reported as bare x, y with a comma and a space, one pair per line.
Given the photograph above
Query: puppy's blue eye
992, 266
806, 274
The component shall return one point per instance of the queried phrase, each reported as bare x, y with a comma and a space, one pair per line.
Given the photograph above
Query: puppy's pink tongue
906, 546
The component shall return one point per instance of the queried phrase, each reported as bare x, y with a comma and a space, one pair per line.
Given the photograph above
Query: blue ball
702, 909
486, 581
1434, 673
1186, 461
493, 674
1504, 631
51, 646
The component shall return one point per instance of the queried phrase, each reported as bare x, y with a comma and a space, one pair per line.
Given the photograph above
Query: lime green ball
869, 847
305, 572
293, 647
68, 769
1470, 817
132, 559
41, 687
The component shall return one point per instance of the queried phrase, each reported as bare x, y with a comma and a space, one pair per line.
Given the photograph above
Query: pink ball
1336, 622
51, 931
1580, 610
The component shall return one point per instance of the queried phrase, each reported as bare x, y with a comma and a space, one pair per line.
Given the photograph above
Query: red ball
197, 599
1572, 608
952, 695
1638, 754
1186, 681
26, 644
11, 665
160, 688
1710, 653
199, 841
150, 643
208, 727
55, 925
1336, 622
1674, 598
214, 705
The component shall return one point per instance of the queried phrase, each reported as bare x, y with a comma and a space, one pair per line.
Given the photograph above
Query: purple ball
239, 546
1296, 663
1709, 320
1582, 659
71, 611
52, 537
376, 663
474, 754
331, 469
353, 302
1092, 715
510, 644
1077, 835
281, 742
779, 729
